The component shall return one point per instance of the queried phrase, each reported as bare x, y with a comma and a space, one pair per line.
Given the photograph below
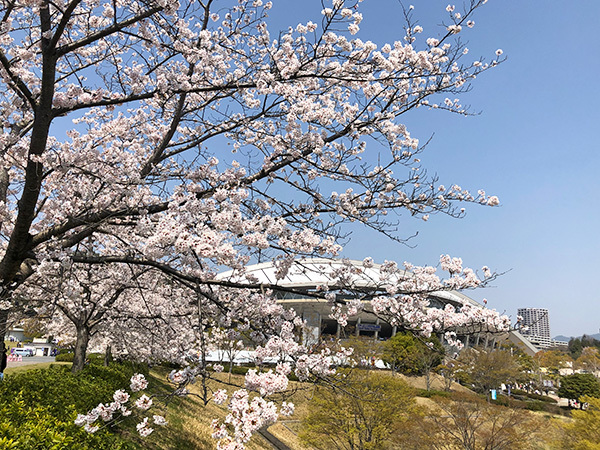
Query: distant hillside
560, 337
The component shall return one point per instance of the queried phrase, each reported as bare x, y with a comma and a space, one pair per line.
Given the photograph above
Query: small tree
575, 348
361, 412
228, 344
553, 360
589, 360
486, 370
400, 352
467, 422
366, 350
412, 355
448, 371
529, 368
575, 386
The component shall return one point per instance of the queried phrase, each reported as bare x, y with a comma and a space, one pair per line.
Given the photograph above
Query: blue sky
534, 145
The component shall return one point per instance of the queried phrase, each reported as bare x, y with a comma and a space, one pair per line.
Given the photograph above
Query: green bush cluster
38, 407
67, 356
238, 370
527, 403
505, 401
534, 406
64, 356
431, 393
527, 395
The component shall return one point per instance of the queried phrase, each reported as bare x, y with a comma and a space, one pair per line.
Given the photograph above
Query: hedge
431, 393
542, 398
38, 407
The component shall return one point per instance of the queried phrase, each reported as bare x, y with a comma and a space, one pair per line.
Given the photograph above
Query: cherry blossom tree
187, 138
111, 306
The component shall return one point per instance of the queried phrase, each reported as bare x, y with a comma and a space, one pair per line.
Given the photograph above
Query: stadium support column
312, 329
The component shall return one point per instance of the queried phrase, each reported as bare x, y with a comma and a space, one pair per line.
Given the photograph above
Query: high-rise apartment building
535, 321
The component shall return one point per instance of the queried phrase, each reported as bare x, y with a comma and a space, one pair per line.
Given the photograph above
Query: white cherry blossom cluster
220, 396
245, 418
107, 412
138, 382
267, 383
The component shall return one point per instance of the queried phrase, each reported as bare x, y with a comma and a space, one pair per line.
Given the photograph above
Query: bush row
432, 393
531, 405
542, 398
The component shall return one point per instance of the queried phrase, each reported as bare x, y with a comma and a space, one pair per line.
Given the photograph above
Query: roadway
30, 360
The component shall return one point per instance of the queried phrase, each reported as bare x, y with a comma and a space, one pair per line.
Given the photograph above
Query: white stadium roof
312, 272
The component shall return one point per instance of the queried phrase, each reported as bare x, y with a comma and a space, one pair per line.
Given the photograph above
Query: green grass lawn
26, 367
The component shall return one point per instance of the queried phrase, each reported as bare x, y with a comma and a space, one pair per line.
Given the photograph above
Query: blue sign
368, 327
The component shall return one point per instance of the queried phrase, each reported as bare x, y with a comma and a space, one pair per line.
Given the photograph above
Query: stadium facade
307, 276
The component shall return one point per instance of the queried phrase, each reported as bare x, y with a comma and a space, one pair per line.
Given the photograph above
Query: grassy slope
194, 419
190, 420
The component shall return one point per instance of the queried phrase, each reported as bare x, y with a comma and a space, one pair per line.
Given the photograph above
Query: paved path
276, 443
31, 360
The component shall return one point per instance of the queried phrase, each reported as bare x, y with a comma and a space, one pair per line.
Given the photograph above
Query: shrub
504, 401
543, 398
243, 370
38, 407
238, 370
57, 388
535, 406
431, 393
26, 427
64, 356
362, 411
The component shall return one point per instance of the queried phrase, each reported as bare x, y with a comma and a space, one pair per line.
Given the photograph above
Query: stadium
307, 276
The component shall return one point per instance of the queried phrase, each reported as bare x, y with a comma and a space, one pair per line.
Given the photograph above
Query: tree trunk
19, 244
108, 355
3, 325
428, 379
447, 382
81, 345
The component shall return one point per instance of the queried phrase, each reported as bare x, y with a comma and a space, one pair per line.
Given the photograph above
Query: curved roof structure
306, 274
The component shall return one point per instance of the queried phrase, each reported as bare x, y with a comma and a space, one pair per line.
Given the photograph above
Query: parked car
21, 351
